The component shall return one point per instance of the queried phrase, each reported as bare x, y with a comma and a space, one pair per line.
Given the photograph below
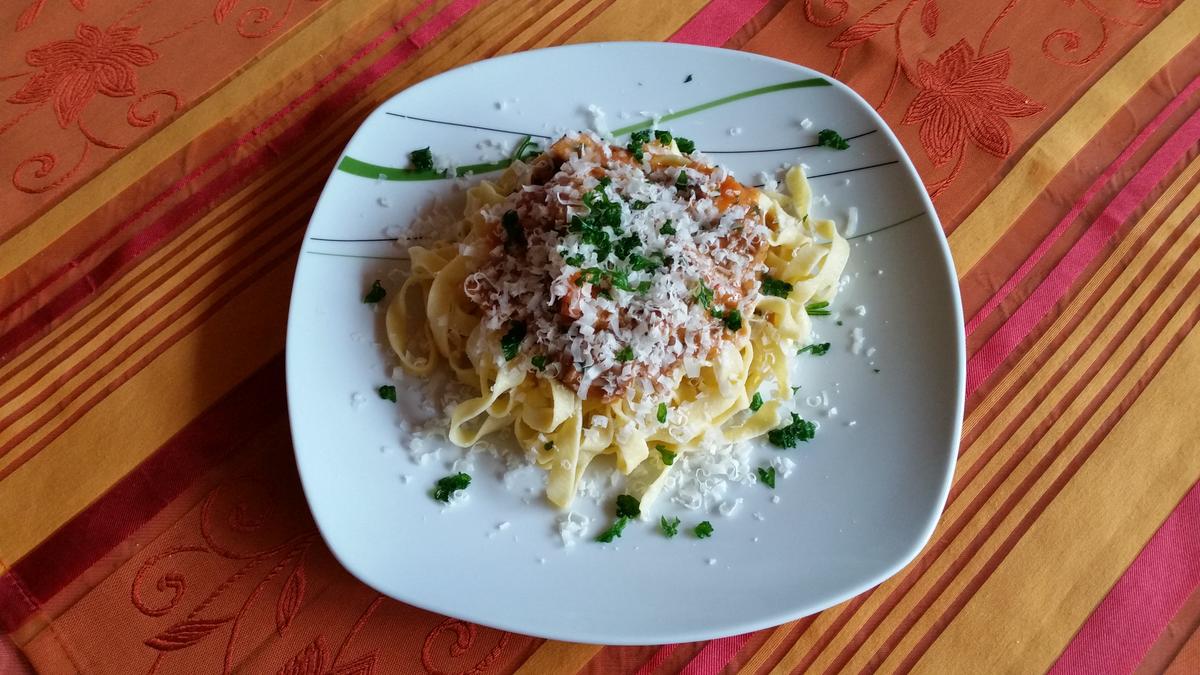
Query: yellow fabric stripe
558, 658
1101, 495
1020, 621
639, 20
1034, 171
778, 635
105, 444
330, 26
1030, 379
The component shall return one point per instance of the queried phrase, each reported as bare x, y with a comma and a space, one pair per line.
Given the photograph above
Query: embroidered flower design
962, 96
74, 71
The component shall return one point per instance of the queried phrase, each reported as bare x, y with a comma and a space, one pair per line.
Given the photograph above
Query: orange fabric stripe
996, 481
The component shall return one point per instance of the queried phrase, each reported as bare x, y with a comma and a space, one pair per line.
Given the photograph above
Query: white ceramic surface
864, 498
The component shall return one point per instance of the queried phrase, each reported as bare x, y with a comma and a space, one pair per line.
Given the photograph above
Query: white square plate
863, 499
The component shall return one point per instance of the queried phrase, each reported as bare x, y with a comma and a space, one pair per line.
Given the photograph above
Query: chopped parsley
510, 344
668, 456
815, 349
682, 180
628, 507
767, 476
662, 413
388, 393
422, 160
670, 528
832, 139
539, 362
704, 530
637, 140
704, 296
788, 436
817, 308
756, 402
626, 245
514, 234
640, 263
548, 445
625, 354
876, 370
449, 485
686, 146
375, 294
667, 228
775, 287
662, 136
639, 205
687, 79
731, 318
613, 531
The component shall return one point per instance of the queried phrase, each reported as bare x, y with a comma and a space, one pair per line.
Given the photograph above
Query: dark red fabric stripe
141, 494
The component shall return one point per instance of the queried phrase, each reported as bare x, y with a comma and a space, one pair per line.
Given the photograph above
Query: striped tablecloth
158, 163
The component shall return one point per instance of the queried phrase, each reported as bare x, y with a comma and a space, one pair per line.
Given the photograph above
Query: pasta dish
628, 301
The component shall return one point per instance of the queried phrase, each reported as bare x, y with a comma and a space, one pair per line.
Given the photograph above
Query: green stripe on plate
358, 167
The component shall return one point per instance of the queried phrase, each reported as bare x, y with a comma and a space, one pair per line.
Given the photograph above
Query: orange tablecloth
158, 163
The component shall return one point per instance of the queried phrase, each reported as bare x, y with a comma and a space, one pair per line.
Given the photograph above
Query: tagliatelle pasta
618, 301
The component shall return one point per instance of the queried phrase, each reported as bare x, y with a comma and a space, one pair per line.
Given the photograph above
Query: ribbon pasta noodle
618, 301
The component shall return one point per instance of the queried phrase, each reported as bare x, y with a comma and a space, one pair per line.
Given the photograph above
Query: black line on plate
860, 168
798, 147
345, 255
886, 227
468, 126
838, 173
348, 240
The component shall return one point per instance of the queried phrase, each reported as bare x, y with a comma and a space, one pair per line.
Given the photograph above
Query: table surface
159, 161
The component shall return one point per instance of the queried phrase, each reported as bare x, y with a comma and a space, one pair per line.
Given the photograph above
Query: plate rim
718, 629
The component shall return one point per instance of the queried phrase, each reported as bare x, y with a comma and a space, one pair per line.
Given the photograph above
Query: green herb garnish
682, 180
539, 362
448, 485
613, 531
704, 530
756, 402
626, 245
388, 393
788, 436
832, 139
817, 308
662, 413
628, 507
670, 528
639, 205
422, 160
514, 234
704, 296
668, 456
732, 319
640, 263
636, 141
685, 145
574, 260
815, 349
667, 228
376, 293
625, 354
662, 136
510, 344
767, 476
548, 445
775, 287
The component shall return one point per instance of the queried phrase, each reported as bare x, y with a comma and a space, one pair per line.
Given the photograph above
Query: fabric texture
159, 162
